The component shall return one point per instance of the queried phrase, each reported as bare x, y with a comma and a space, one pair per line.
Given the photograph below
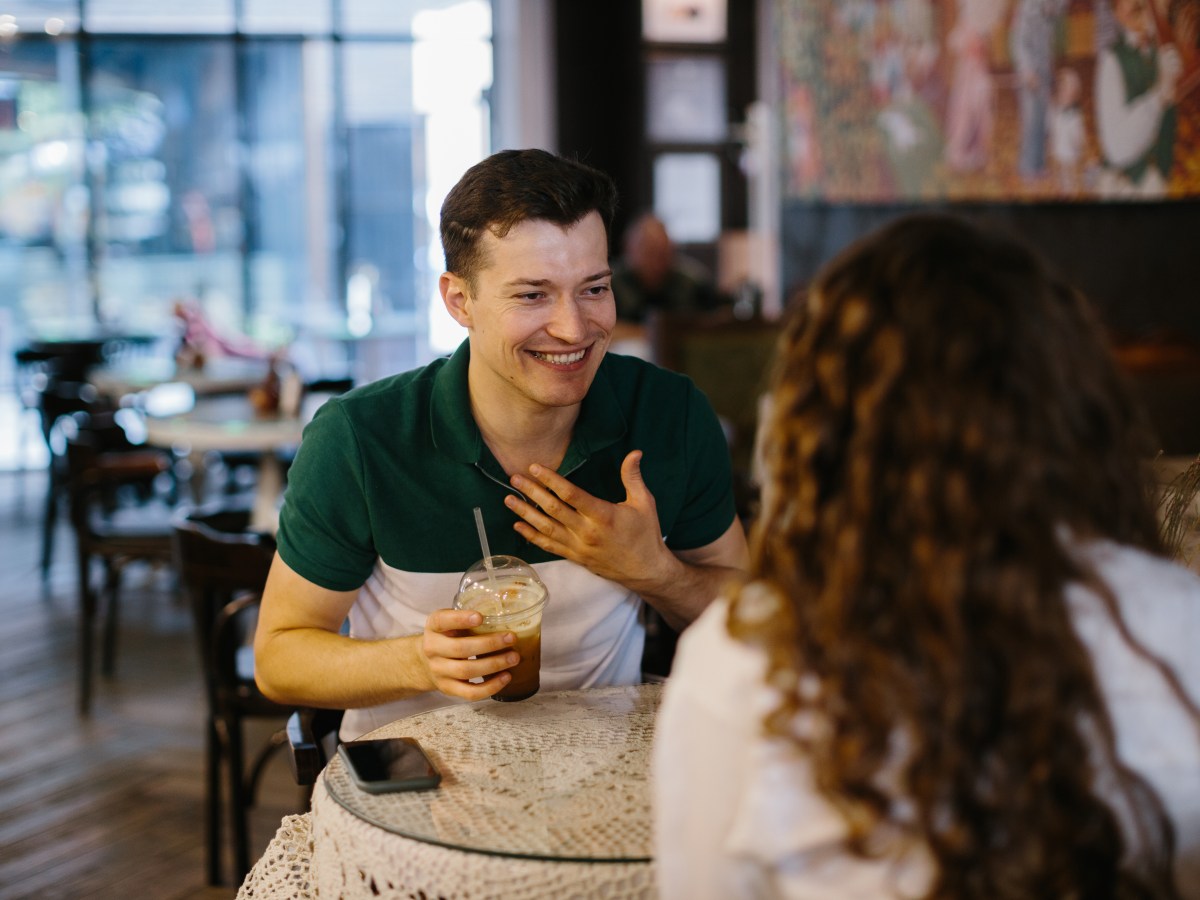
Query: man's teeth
560, 359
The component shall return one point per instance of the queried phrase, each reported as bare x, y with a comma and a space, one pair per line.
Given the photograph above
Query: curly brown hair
947, 425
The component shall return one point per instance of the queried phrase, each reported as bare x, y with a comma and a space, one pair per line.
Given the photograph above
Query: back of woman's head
946, 426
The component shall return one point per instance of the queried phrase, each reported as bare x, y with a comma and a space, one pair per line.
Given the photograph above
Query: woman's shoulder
1158, 600
1142, 580
713, 667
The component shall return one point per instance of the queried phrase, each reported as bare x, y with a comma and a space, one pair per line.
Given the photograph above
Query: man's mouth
560, 359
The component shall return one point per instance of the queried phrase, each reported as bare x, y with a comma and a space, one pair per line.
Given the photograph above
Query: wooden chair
729, 359
223, 566
59, 389
56, 401
118, 517
31, 369
312, 740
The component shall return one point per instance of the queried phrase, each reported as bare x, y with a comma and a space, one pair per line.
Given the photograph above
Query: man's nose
567, 322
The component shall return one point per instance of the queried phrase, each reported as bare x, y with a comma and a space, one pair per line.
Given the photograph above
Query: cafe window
282, 162
687, 63
154, 16
52, 17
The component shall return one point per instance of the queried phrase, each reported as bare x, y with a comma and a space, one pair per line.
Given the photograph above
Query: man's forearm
683, 594
314, 667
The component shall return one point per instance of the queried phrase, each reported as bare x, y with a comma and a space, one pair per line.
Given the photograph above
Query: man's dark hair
512, 186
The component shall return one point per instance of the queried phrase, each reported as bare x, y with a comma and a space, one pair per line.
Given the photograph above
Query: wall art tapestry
981, 100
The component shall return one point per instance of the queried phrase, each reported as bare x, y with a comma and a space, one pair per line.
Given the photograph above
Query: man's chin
570, 393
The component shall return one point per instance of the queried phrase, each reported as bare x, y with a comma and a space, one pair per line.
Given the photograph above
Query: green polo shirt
381, 495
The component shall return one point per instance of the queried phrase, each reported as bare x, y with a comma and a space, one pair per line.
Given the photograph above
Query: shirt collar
600, 423
1142, 44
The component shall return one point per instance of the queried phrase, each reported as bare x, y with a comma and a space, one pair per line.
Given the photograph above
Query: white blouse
738, 816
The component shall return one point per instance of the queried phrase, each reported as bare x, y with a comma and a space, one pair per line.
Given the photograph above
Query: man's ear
456, 295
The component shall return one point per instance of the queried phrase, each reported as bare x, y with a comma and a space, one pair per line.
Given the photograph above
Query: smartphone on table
383, 765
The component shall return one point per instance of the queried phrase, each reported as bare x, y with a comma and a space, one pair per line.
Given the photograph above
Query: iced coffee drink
510, 597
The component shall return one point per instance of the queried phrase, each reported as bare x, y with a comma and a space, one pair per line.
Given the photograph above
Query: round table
223, 375
545, 798
230, 424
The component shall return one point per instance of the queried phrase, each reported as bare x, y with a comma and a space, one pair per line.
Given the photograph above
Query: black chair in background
54, 381
223, 566
58, 399
312, 736
332, 385
120, 514
31, 369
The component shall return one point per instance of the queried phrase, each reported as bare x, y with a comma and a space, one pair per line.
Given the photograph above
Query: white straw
483, 542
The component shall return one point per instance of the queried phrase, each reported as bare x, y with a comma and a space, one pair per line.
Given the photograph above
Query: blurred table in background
222, 375
197, 425
73, 353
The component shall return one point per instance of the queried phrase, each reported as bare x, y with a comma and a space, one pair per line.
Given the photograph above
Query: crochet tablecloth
548, 798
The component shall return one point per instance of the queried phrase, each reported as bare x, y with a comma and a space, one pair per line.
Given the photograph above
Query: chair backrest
231, 651
729, 360
100, 460
329, 385
312, 737
217, 551
218, 558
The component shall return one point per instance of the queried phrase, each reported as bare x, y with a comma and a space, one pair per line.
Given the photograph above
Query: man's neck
519, 437
1139, 40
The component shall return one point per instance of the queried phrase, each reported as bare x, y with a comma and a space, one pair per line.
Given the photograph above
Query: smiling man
609, 475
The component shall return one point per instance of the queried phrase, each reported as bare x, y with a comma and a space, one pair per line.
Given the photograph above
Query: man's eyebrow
543, 282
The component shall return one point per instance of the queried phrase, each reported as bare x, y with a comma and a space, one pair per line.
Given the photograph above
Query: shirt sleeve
324, 526
703, 732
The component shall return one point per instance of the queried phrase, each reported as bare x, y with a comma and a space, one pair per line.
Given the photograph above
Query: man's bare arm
621, 541
300, 658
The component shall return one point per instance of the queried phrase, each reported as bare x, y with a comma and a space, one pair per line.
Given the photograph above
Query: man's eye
597, 290
532, 295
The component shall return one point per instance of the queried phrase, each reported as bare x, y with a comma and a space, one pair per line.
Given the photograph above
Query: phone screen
389, 764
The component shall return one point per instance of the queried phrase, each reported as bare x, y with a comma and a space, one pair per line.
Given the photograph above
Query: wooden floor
110, 806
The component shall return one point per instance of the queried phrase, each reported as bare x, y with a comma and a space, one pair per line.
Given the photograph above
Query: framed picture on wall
687, 195
990, 99
685, 99
683, 21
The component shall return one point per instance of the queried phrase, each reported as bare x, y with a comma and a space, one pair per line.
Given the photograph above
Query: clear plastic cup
511, 597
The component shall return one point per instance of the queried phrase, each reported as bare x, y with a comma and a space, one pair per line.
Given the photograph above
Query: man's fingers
480, 667
438, 644
532, 516
631, 476
456, 658
480, 690
445, 621
560, 495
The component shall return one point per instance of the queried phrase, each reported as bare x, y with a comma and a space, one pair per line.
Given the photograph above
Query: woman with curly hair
961, 666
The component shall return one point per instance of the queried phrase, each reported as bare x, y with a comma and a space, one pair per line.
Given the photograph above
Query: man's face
540, 313
1133, 16
649, 253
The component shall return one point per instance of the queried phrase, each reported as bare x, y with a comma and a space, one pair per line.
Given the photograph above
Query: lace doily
562, 776
573, 773
282, 873
354, 860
